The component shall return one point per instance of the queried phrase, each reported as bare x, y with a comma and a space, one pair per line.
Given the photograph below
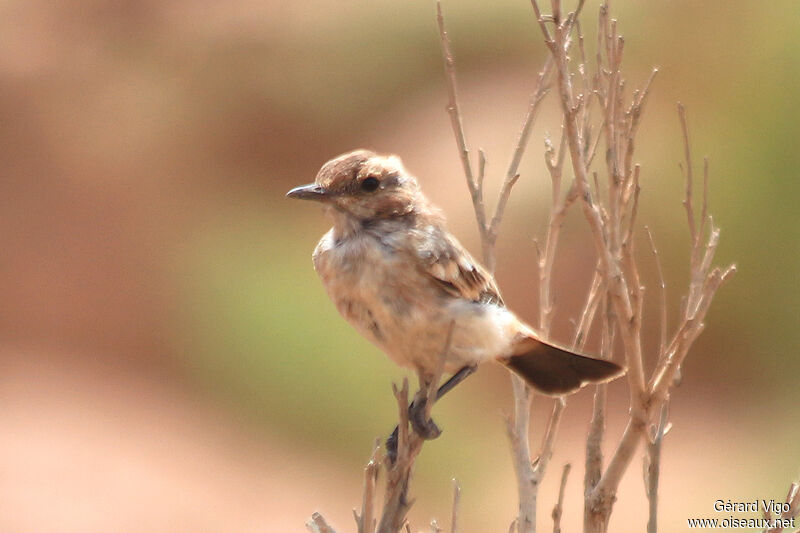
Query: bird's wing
451, 267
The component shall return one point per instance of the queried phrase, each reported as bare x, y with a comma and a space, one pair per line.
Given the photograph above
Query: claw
424, 427
391, 446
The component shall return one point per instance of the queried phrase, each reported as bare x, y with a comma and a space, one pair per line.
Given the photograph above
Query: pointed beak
311, 191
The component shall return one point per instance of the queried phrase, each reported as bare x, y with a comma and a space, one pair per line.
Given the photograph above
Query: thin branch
635, 113
548, 441
663, 301
597, 425
317, 524
366, 521
593, 149
548, 40
542, 86
512, 174
518, 426
453, 109
456, 501
652, 467
635, 191
704, 209
687, 203
594, 439
686, 334
502, 200
589, 310
610, 267
409, 444
512, 528
481, 167
559, 507
396, 502
786, 517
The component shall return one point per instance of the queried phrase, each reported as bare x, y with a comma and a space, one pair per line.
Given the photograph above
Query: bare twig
529, 477
612, 224
541, 88
548, 441
456, 501
687, 202
790, 512
317, 524
559, 507
663, 302
512, 528
512, 174
584, 324
488, 228
409, 444
615, 290
366, 521
652, 467
617, 285
475, 186
558, 211
597, 425
704, 210
518, 426
396, 502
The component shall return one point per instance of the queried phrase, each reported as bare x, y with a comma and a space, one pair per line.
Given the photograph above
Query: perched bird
404, 282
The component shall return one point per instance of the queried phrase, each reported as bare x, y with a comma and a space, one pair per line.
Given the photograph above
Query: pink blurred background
168, 359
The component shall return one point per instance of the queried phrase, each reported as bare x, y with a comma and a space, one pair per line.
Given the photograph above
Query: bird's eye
370, 184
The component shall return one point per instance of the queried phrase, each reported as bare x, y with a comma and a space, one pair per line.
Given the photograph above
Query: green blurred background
169, 360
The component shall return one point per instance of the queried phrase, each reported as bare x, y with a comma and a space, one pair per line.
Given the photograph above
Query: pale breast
384, 294
375, 287
355, 272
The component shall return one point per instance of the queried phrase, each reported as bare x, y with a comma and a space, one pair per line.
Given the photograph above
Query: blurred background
169, 360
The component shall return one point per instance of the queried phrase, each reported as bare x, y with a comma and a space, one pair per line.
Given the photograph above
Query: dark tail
555, 371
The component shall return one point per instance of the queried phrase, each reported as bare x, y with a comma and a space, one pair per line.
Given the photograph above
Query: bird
395, 273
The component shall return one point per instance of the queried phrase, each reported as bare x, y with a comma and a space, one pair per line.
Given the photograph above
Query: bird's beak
311, 191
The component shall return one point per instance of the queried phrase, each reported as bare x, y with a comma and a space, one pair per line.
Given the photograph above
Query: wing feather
451, 266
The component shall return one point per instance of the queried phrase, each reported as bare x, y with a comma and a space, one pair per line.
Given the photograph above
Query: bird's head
364, 186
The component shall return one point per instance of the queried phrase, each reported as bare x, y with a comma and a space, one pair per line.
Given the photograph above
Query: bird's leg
419, 412
424, 426
455, 379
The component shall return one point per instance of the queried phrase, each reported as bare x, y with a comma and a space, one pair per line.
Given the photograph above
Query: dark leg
423, 425
455, 379
427, 429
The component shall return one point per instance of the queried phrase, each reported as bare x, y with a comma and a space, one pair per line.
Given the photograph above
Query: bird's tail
556, 371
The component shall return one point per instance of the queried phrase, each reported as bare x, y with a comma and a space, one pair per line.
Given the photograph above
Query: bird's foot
391, 446
423, 425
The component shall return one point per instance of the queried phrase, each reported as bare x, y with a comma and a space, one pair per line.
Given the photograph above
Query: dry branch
317, 524
528, 476
365, 521
595, 107
612, 223
488, 230
398, 468
558, 510
792, 511
652, 467
456, 501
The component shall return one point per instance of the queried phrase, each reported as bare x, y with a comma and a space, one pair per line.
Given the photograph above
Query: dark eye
370, 184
